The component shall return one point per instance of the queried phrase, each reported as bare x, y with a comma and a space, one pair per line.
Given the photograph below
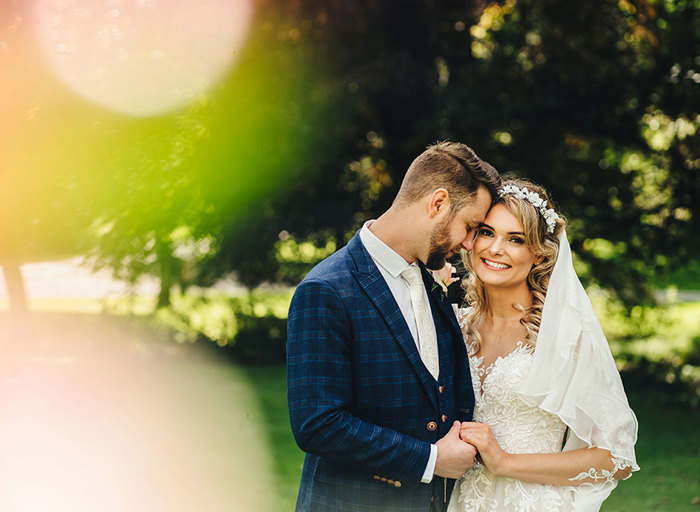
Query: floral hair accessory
549, 215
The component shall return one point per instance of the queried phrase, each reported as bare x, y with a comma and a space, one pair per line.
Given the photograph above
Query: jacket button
397, 484
444, 418
431, 426
441, 389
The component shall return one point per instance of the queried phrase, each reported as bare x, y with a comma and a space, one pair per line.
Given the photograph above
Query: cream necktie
427, 340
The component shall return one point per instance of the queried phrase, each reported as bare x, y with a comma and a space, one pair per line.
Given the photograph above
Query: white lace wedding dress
519, 428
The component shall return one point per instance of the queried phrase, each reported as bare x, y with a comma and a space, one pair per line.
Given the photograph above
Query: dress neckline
483, 373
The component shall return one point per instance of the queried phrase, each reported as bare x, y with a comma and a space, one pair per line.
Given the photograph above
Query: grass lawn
269, 382
668, 451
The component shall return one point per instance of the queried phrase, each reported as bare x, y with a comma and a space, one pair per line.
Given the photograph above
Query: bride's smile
495, 264
500, 256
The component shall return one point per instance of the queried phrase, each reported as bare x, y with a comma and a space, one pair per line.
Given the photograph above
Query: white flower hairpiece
549, 215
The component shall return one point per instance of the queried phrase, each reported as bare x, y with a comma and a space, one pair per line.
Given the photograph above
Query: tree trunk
164, 293
165, 267
15, 287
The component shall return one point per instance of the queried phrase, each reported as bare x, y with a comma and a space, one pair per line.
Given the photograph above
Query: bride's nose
496, 246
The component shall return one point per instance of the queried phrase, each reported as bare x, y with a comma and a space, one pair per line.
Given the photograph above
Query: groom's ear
439, 202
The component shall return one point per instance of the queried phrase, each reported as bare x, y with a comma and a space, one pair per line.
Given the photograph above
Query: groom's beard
440, 246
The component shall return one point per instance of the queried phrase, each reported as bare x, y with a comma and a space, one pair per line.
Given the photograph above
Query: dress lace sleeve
603, 475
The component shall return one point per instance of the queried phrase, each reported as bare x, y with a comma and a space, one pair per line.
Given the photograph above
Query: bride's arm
564, 468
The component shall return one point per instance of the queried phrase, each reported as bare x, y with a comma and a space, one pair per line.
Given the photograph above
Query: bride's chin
491, 282
485, 276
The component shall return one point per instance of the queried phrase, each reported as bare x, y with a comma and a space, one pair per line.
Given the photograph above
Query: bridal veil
573, 375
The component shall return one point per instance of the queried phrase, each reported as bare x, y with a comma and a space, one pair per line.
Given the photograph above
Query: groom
377, 371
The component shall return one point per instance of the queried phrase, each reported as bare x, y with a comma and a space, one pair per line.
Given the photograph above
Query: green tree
146, 195
597, 101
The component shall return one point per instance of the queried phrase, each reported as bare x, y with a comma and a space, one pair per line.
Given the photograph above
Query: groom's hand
454, 456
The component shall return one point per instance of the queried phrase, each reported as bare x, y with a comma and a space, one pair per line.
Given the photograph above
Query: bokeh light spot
141, 57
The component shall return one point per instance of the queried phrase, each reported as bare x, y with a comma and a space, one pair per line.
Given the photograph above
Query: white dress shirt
390, 265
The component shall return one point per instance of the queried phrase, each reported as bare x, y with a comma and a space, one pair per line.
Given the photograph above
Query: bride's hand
481, 437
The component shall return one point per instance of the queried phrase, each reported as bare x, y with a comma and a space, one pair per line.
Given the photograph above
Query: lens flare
141, 57
99, 415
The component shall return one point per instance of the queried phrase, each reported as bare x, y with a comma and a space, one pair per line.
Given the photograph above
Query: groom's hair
452, 166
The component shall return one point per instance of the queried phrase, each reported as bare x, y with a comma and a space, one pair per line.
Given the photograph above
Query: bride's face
500, 256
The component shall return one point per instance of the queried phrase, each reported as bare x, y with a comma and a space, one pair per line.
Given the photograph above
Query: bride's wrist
503, 467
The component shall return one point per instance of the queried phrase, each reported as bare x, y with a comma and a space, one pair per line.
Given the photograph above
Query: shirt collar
381, 253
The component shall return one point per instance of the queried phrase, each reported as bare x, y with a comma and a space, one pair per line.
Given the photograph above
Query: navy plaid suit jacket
362, 404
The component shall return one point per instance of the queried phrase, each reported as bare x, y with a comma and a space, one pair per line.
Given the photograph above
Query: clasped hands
481, 437
457, 450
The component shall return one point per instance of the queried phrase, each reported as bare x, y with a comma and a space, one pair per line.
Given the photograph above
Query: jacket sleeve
319, 387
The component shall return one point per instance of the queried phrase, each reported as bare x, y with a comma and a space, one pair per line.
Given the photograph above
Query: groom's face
456, 231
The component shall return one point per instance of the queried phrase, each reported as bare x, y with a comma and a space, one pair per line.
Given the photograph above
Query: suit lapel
372, 282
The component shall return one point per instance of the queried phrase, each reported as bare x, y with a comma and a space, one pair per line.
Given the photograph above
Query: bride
552, 425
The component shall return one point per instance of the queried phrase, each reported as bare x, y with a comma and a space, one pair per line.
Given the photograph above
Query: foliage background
312, 128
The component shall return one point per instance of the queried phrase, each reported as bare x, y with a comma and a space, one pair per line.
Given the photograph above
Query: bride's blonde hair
540, 242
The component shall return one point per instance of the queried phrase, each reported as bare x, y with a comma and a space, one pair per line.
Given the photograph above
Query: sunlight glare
141, 57
97, 415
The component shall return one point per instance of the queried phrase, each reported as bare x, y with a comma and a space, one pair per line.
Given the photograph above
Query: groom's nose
468, 242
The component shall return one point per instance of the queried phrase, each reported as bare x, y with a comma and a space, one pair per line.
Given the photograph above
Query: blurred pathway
105, 414
69, 279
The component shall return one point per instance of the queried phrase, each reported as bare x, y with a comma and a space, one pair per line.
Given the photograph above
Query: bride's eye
517, 240
484, 232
